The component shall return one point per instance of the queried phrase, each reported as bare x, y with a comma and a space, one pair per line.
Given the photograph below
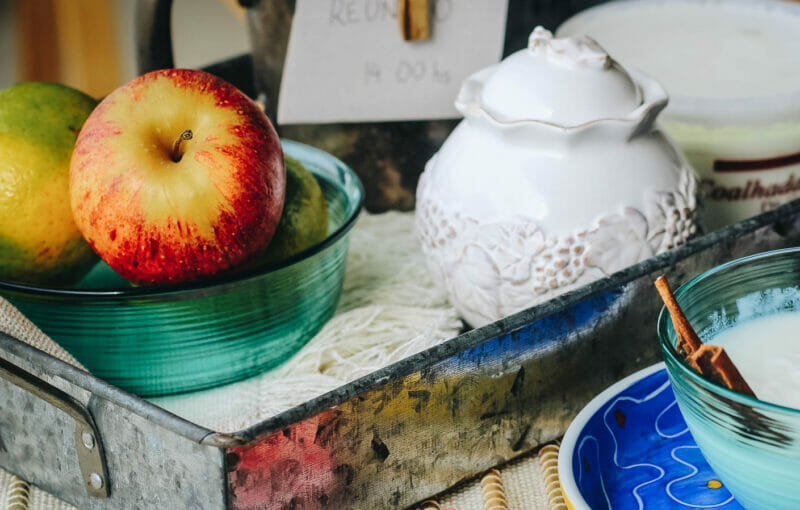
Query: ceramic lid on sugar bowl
557, 176
567, 82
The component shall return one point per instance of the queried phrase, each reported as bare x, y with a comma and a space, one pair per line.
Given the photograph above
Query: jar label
764, 183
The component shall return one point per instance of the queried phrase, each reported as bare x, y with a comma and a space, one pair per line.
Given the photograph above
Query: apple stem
177, 154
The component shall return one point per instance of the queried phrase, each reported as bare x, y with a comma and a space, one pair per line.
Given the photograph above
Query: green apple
304, 221
39, 241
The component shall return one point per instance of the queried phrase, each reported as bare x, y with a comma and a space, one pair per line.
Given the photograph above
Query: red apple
177, 176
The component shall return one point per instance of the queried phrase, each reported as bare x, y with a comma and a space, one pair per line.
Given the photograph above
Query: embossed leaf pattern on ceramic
676, 211
618, 241
495, 269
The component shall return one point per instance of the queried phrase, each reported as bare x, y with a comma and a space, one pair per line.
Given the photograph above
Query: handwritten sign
347, 60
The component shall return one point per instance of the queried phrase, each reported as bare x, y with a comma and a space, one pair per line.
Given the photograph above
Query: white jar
557, 176
732, 70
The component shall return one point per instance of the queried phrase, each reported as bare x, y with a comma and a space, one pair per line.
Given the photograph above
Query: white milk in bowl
766, 350
732, 70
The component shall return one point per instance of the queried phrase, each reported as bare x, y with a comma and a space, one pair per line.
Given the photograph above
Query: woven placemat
528, 483
390, 309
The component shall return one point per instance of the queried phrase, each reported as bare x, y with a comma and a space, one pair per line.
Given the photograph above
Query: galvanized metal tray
386, 440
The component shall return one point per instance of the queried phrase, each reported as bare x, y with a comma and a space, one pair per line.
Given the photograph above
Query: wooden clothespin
414, 19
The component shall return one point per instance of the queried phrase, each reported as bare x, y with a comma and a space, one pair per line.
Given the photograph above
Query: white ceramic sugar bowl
557, 176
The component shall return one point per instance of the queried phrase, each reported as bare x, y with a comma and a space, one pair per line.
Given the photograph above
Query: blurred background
89, 44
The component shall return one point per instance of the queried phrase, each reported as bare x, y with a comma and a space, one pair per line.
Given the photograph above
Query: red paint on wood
291, 468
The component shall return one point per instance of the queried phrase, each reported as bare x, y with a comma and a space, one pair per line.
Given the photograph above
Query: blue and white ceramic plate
629, 448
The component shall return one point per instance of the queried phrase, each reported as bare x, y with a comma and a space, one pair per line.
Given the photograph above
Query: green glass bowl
162, 340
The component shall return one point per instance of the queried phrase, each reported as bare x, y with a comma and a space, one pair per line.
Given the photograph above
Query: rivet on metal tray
95, 481
90, 458
88, 440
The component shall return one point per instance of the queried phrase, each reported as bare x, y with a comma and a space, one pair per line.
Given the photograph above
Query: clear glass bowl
754, 446
169, 339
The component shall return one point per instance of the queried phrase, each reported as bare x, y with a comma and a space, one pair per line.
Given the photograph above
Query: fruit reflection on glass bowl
173, 338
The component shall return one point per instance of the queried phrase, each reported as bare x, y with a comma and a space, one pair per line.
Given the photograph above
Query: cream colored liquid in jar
766, 350
732, 71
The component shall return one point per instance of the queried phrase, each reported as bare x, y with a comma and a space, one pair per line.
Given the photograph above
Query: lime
304, 221
39, 242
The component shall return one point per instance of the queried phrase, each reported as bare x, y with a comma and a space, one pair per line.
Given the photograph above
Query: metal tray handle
91, 457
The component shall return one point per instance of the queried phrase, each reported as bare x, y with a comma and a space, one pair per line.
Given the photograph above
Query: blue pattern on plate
636, 452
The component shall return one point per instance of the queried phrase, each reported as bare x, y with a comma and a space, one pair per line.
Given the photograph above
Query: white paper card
347, 61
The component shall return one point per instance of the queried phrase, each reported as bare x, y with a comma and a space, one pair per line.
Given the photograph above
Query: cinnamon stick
688, 341
710, 361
